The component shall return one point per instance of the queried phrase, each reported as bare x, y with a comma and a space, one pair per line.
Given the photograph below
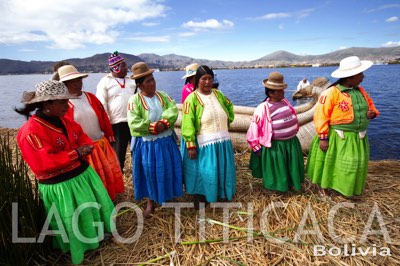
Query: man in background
302, 84
114, 91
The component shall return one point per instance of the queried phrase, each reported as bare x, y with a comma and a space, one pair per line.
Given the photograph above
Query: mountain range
98, 63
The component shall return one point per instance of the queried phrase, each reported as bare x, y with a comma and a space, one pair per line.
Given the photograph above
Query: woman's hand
371, 114
160, 127
85, 150
192, 153
324, 145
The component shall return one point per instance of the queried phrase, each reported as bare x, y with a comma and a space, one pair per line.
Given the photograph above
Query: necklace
122, 85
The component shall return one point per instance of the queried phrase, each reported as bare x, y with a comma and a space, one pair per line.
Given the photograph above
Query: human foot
149, 209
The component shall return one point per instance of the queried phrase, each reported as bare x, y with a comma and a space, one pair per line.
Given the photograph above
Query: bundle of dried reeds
263, 228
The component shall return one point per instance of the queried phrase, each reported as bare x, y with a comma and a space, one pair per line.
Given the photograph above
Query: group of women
66, 143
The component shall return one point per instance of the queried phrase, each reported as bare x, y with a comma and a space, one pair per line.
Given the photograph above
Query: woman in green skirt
339, 153
277, 156
55, 148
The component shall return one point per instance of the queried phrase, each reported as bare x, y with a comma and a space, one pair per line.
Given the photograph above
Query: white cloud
186, 34
392, 19
342, 47
297, 14
209, 24
271, 16
383, 8
71, 24
151, 38
304, 13
281, 26
150, 24
391, 44
14, 37
26, 50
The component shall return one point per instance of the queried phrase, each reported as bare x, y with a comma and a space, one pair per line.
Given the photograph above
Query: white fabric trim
164, 134
362, 134
340, 133
211, 138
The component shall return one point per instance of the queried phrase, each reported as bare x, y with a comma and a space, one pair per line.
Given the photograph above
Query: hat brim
50, 98
73, 76
142, 74
274, 86
338, 73
189, 75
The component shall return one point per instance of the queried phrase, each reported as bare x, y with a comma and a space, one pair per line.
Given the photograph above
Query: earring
47, 111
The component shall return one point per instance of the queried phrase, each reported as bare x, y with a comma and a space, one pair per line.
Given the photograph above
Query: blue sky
233, 30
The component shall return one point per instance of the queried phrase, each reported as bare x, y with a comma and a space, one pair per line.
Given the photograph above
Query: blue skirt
212, 173
157, 169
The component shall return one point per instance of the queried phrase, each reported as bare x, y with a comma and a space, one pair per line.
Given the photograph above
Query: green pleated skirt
62, 200
343, 167
281, 166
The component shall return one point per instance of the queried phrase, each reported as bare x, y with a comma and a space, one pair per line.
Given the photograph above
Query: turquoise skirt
62, 200
212, 173
343, 167
281, 166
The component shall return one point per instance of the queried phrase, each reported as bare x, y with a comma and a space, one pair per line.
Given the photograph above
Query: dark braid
28, 109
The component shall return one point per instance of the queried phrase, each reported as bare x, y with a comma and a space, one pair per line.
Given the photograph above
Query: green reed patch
19, 194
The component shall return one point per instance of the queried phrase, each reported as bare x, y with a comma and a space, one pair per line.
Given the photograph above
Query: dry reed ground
157, 243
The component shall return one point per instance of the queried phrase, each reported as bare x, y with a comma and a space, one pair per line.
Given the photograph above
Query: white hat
47, 90
351, 66
191, 70
69, 72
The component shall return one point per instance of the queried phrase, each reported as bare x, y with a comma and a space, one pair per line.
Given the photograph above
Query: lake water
243, 87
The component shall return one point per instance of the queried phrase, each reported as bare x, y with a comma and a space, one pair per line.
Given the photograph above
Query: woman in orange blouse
339, 154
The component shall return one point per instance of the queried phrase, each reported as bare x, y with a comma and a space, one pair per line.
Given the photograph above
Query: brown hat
275, 81
140, 69
47, 90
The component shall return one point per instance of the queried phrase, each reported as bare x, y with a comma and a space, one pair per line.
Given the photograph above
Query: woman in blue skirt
157, 164
207, 152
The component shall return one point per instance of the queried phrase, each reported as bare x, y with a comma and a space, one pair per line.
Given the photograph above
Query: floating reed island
261, 227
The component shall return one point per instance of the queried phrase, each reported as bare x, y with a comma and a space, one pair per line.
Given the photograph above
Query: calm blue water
243, 87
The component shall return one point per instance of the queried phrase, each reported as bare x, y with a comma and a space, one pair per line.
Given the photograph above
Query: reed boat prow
244, 114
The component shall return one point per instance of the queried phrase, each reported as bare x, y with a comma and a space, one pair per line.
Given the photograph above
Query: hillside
98, 62
389, 54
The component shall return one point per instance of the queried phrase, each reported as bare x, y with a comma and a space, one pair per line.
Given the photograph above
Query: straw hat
191, 70
351, 66
275, 81
46, 91
69, 72
140, 69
